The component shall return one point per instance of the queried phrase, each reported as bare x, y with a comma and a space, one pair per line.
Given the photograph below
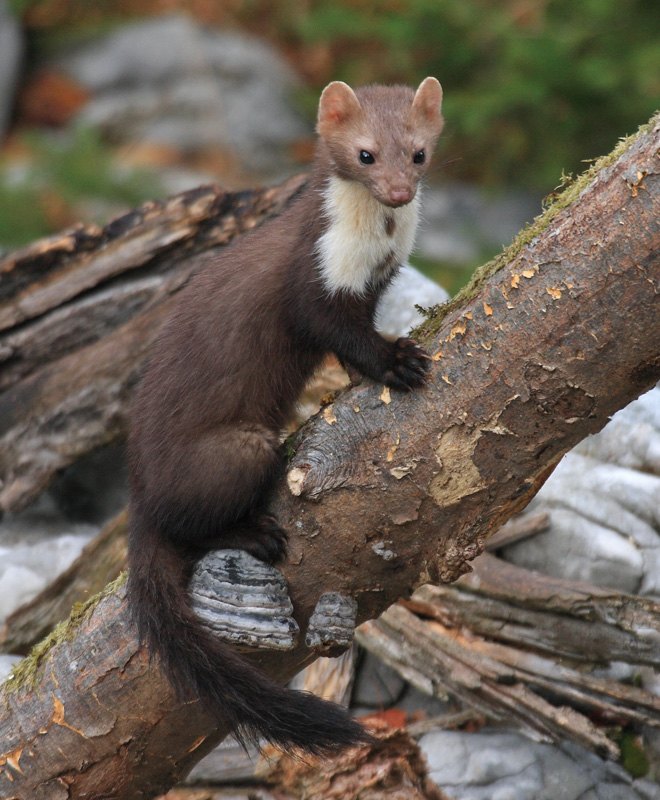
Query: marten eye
366, 157
419, 157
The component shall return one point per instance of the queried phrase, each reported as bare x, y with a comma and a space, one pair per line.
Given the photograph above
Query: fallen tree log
384, 491
568, 619
435, 661
502, 638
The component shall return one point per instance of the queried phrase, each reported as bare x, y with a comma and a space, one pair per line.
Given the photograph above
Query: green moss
567, 194
26, 673
289, 446
633, 755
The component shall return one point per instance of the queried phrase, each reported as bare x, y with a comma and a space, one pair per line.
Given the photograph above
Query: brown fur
248, 332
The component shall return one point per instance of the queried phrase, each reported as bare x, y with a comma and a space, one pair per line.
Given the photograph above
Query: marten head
381, 136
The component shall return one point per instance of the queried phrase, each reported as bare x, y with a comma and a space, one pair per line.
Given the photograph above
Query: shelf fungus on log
332, 625
244, 601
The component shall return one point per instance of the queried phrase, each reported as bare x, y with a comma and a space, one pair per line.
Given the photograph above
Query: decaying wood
520, 527
504, 626
562, 618
435, 661
329, 678
384, 491
393, 767
444, 722
215, 793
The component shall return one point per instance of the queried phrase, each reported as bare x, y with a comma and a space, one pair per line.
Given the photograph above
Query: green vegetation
531, 87
57, 180
633, 755
449, 275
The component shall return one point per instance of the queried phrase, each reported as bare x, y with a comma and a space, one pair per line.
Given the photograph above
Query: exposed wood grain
517, 529
393, 767
437, 661
549, 615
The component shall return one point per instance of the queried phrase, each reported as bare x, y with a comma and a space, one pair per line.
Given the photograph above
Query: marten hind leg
209, 491
260, 535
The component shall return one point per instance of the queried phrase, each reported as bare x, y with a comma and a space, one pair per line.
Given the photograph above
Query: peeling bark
504, 632
436, 661
386, 491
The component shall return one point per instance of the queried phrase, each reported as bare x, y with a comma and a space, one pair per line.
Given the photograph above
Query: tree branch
385, 491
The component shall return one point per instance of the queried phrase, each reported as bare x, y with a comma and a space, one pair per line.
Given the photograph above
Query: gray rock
11, 59
35, 547
462, 222
396, 313
604, 523
171, 81
228, 763
632, 438
504, 765
41, 542
6, 665
413, 700
376, 685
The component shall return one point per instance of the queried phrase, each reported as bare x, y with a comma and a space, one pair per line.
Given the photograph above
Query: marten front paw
410, 367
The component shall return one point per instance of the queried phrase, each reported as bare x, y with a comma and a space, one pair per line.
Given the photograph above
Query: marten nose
400, 196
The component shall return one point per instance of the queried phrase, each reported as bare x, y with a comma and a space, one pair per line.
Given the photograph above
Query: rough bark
384, 491
436, 662
566, 618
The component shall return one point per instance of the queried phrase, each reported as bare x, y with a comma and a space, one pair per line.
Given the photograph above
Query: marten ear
338, 105
428, 101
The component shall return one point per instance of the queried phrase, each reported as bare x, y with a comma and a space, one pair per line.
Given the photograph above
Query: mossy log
384, 491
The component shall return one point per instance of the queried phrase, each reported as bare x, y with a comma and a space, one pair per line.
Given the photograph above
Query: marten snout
399, 197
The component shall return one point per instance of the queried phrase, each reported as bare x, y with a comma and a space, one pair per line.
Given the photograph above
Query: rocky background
184, 104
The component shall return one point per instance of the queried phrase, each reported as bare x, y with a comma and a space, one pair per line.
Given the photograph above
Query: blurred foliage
57, 179
532, 86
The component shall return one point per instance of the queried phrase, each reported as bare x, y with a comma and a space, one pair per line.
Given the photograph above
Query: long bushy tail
198, 664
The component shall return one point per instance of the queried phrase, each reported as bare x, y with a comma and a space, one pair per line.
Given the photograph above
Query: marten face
381, 136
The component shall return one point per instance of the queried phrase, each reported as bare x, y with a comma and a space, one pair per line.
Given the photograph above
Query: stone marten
249, 330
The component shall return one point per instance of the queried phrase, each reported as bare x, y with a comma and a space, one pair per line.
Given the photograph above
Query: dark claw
411, 365
268, 541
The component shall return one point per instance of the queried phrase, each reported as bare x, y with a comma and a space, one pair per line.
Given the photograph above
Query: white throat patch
363, 235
